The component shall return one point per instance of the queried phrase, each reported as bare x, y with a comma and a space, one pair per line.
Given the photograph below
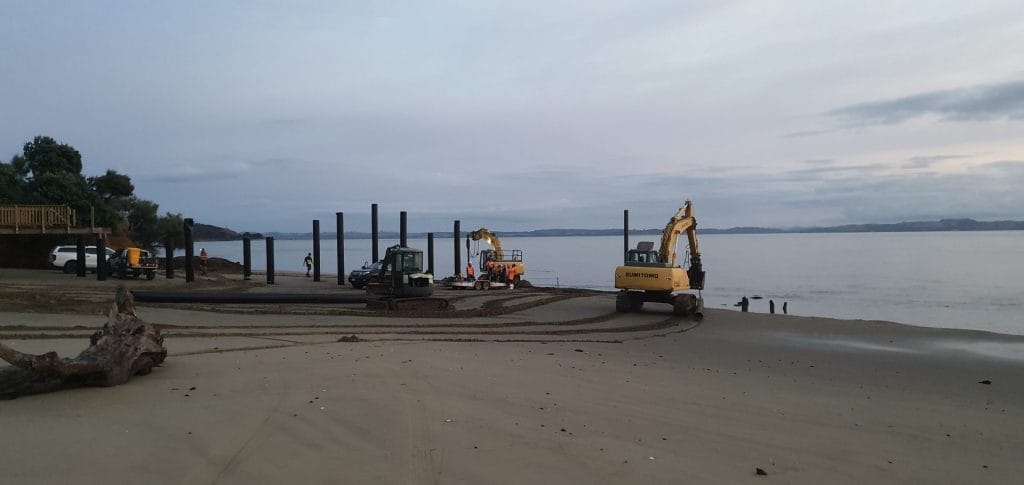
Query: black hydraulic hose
251, 298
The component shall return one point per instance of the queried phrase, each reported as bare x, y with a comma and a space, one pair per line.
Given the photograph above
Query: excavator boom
682, 221
489, 238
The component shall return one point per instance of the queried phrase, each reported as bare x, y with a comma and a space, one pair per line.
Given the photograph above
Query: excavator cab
644, 255
401, 283
401, 275
638, 257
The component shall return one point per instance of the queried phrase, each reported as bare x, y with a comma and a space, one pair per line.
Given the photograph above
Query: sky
261, 116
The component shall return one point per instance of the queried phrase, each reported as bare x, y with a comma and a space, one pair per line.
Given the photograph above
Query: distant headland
205, 232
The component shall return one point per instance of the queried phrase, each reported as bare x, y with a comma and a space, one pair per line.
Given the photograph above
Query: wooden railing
37, 217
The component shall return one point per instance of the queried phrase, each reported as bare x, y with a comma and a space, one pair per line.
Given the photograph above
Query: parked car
66, 258
133, 262
359, 277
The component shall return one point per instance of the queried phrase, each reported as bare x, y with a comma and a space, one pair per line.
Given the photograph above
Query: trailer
481, 284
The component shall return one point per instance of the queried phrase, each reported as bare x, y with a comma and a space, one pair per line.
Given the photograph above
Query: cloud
220, 171
828, 168
975, 103
1009, 168
803, 134
928, 161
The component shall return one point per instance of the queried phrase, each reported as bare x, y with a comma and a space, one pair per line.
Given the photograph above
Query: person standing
309, 263
512, 277
743, 304
469, 272
203, 257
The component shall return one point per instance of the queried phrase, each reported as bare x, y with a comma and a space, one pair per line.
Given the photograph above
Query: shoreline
543, 387
47, 277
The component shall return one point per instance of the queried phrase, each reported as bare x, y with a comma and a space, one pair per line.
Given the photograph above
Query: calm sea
971, 280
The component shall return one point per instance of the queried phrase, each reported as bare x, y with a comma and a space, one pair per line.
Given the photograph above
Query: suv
66, 258
360, 277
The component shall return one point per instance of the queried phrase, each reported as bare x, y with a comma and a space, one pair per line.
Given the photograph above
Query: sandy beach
512, 387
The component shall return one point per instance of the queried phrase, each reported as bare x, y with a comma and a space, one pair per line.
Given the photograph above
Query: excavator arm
490, 238
682, 221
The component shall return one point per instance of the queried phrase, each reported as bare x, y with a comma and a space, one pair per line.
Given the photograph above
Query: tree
60, 188
114, 193
45, 156
12, 186
20, 166
143, 222
112, 185
172, 226
50, 173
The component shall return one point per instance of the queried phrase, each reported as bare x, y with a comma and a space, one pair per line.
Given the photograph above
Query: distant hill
922, 226
915, 226
207, 232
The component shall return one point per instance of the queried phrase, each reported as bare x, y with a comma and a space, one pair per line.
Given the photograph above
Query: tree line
50, 173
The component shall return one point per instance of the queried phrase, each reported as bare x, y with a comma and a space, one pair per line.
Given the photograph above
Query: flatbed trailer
478, 285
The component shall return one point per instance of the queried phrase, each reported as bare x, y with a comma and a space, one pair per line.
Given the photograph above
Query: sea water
972, 280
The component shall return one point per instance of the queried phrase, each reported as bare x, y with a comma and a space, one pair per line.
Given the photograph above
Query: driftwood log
126, 346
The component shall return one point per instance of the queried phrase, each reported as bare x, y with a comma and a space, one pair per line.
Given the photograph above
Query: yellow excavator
653, 275
496, 253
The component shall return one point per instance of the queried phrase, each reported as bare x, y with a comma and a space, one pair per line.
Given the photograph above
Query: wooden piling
316, 250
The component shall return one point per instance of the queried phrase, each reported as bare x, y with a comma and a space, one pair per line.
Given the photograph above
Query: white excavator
650, 275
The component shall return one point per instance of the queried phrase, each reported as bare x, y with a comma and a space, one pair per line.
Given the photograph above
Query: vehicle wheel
636, 300
150, 275
623, 303
71, 267
686, 304
680, 306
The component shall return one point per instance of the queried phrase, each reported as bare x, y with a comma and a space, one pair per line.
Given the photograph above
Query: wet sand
560, 389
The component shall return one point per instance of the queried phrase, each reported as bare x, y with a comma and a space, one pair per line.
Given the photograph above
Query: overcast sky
525, 114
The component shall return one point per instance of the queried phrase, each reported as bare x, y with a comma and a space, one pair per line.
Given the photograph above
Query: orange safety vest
512, 273
469, 271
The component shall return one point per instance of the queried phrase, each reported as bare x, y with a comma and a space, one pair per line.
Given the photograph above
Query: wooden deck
43, 219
